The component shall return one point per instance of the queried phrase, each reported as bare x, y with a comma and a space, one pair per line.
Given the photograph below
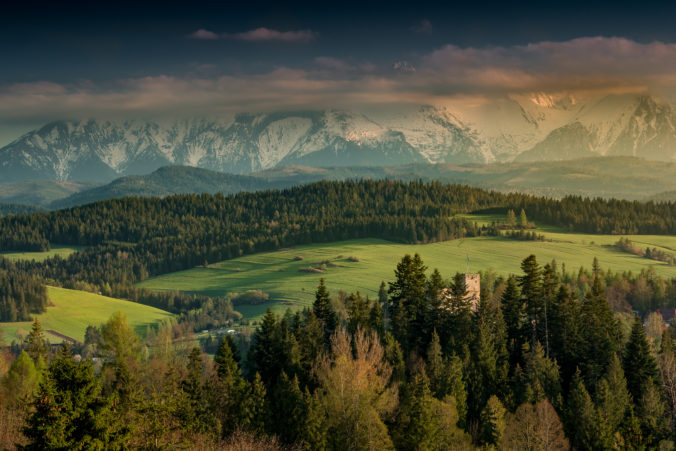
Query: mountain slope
620, 177
538, 127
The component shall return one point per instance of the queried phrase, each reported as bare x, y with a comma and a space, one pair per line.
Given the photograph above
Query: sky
73, 60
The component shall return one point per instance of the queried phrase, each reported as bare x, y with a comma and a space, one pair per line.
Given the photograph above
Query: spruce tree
227, 392
514, 316
376, 319
423, 431
289, 410
407, 302
640, 368
255, 407
523, 220
493, 422
531, 293
323, 309
70, 412
598, 333
195, 414
358, 311
581, 420
313, 429
613, 405
37, 344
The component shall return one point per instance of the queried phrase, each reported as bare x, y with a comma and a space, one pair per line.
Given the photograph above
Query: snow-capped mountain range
522, 128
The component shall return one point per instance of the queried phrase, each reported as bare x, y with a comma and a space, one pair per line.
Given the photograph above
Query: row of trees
21, 295
534, 367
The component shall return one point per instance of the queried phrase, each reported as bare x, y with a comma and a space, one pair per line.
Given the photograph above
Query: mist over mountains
538, 127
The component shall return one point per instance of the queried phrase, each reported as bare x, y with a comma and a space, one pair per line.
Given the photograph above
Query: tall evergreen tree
407, 302
640, 368
323, 309
581, 420
613, 405
599, 335
515, 321
69, 411
38, 347
531, 292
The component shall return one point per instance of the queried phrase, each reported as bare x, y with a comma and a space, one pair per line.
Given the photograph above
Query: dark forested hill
166, 181
18, 209
132, 238
620, 177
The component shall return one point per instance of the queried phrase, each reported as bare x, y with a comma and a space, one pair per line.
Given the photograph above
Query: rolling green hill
279, 273
72, 311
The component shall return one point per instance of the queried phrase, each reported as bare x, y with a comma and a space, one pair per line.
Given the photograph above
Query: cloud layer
593, 65
261, 34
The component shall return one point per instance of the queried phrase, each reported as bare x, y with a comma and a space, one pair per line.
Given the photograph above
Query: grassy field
73, 311
63, 251
278, 273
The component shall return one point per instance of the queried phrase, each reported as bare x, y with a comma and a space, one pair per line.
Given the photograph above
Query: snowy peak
527, 127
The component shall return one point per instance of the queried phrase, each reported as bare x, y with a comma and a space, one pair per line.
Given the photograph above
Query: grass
73, 311
62, 251
278, 273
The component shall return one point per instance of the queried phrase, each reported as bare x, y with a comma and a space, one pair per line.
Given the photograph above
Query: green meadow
72, 311
62, 251
280, 274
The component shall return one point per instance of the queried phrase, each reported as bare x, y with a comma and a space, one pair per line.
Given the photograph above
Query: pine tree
613, 405
195, 414
523, 220
436, 300
514, 316
358, 311
459, 317
511, 218
407, 302
289, 410
376, 319
599, 334
436, 367
227, 392
493, 422
69, 411
531, 292
38, 347
313, 429
423, 431
582, 427
323, 309
640, 368
255, 407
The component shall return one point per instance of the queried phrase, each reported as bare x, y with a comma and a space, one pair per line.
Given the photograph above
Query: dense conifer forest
130, 239
541, 363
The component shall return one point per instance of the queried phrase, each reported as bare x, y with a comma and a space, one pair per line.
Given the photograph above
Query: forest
543, 362
130, 239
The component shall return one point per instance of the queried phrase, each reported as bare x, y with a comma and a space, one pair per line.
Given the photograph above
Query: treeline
130, 239
18, 209
534, 366
21, 295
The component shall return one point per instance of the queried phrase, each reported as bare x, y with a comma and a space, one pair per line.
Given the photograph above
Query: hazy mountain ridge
521, 128
593, 177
